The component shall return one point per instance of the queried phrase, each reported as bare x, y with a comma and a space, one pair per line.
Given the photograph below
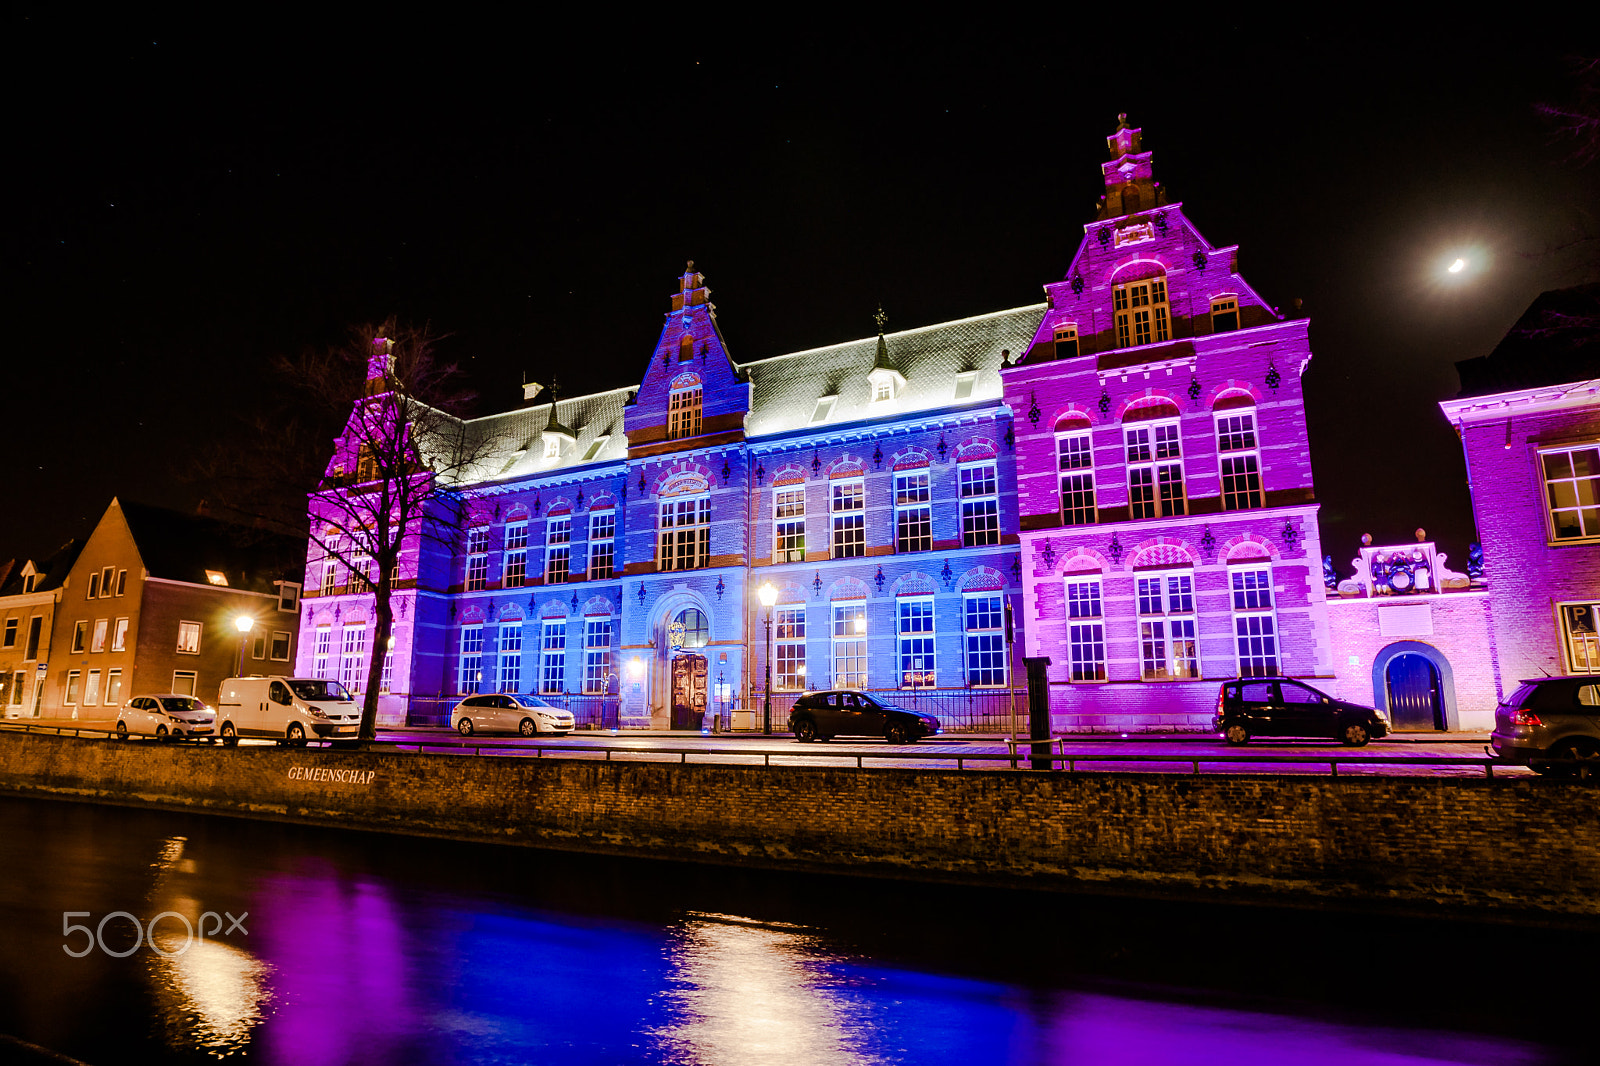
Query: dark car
1551, 724
852, 713
1284, 707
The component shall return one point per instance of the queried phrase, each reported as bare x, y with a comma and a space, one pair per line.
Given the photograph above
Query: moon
1458, 266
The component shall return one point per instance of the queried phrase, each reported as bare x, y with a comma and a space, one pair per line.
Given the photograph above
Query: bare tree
394, 478
1577, 120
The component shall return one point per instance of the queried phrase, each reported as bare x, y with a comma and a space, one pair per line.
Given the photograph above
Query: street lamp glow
244, 623
1457, 267
768, 594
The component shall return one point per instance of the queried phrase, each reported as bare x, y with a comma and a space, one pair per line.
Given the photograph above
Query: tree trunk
380, 648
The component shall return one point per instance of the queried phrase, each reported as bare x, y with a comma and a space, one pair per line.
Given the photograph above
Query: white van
286, 709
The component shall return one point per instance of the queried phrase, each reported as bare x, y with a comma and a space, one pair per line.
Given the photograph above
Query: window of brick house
1141, 312
1572, 491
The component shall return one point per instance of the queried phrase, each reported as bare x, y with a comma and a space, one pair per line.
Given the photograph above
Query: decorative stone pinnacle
880, 318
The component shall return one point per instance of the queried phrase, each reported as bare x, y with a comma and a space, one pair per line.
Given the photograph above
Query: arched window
683, 413
1141, 312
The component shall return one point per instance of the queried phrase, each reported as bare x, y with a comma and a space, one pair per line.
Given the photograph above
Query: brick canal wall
1518, 847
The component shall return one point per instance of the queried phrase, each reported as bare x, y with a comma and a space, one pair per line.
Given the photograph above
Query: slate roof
52, 571
787, 387
515, 437
1555, 342
182, 547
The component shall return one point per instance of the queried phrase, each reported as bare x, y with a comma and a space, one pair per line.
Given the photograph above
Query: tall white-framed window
471, 676
360, 567
915, 632
986, 639
511, 656
322, 648
1075, 461
848, 502
98, 641
330, 565
980, 504
685, 532
1580, 636
850, 644
1240, 460
386, 677
596, 656
789, 662
1167, 647
91, 689
683, 413
1255, 626
351, 654
113, 688
553, 657
1086, 629
477, 558
74, 678
280, 646
19, 681
183, 682
558, 549
1572, 491
1155, 469
789, 524
602, 545
516, 554
1141, 312
913, 511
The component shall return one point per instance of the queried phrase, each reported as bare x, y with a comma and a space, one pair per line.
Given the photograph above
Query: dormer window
1066, 341
594, 449
1141, 312
216, 577
823, 409
884, 385
883, 390
552, 446
1224, 314
964, 383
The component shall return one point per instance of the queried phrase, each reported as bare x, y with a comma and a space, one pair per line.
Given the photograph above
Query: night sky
191, 197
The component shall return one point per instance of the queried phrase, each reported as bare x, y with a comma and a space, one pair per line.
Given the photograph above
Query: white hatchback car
514, 711
166, 716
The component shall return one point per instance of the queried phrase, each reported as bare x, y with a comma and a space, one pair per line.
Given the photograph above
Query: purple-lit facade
1528, 416
1166, 508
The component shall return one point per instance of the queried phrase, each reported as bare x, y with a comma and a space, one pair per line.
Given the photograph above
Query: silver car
1551, 724
168, 716
511, 711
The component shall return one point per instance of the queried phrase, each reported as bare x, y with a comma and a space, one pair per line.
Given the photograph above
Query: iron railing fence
1050, 755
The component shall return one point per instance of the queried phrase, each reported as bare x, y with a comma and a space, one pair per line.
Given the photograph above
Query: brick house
1165, 500
29, 596
149, 604
1528, 416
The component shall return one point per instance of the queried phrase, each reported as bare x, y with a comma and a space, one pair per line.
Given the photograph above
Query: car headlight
316, 712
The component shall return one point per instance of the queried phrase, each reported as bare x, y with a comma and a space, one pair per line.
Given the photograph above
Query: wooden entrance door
688, 691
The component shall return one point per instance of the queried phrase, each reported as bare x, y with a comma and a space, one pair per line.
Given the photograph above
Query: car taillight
1523, 716
1220, 691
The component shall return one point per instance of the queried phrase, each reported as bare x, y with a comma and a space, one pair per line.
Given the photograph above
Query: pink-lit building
1167, 514
1529, 420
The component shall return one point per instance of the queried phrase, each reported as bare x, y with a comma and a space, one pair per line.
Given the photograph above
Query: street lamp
769, 596
244, 624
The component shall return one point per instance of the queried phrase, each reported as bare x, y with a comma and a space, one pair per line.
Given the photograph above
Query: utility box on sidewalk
1039, 709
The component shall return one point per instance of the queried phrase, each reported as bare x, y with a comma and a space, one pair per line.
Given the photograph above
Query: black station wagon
1284, 707
852, 713
1551, 724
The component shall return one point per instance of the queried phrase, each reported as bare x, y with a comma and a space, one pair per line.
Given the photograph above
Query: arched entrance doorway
687, 633
1413, 681
1415, 701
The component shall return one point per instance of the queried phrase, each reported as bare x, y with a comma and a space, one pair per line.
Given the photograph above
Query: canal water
324, 946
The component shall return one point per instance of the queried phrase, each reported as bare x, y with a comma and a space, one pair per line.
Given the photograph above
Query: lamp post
244, 624
769, 596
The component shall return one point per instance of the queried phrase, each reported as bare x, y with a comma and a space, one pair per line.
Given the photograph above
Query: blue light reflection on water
368, 950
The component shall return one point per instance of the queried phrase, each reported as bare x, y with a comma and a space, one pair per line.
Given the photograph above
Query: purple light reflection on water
364, 949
